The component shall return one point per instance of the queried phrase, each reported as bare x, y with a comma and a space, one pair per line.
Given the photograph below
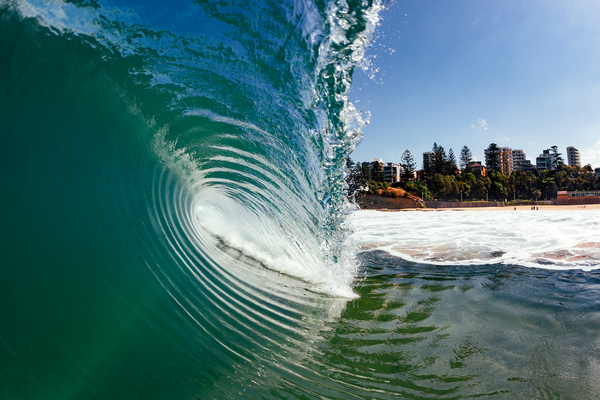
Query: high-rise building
429, 158
519, 161
518, 157
545, 161
504, 157
573, 159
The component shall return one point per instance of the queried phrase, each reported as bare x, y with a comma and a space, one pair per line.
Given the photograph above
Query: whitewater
558, 240
174, 224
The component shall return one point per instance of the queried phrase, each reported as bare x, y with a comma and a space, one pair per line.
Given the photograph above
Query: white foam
540, 239
267, 241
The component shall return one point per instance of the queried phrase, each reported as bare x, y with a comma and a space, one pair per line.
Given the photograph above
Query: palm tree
547, 180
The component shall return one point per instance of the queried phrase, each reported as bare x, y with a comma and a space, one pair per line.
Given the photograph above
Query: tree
548, 182
556, 160
465, 157
465, 188
451, 163
481, 187
451, 157
427, 167
366, 171
492, 158
379, 176
354, 179
408, 166
498, 189
440, 159
349, 164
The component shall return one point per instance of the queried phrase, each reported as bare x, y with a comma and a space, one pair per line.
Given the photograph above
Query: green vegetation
518, 185
443, 179
465, 157
409, 166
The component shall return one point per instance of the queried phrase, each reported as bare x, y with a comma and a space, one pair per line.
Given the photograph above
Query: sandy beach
507, 208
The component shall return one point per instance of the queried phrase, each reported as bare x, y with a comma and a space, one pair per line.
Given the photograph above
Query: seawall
463, 204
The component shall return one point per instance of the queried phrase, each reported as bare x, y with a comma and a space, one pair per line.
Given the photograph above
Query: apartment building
505, 160
392, 172
518, 157
545, 161
573, 159
374, 167
429, 157
520, 161
527, 166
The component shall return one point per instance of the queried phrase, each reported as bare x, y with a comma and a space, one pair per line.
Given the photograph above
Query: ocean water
555, 240
174, 225
498, 304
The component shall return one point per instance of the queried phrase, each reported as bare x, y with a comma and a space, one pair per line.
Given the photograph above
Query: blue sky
522, 74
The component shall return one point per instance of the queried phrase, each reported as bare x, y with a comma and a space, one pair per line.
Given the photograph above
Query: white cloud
481, 123
591, 155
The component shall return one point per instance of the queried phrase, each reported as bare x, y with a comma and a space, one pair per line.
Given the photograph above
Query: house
477, 168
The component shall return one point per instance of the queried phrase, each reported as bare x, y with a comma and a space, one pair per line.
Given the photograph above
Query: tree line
444, 179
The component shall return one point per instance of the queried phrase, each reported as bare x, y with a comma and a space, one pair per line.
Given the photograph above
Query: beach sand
507, 208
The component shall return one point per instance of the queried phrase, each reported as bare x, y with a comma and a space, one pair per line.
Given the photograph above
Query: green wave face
173, 193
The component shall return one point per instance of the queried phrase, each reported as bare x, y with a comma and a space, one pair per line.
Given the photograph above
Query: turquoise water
172, 207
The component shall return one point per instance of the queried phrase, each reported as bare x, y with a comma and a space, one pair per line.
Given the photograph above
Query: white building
429, 157
518, 157
573, 159
545, 161
392, 172
519, 161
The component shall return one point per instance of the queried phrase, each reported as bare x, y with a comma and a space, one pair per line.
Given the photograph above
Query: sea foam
537, 239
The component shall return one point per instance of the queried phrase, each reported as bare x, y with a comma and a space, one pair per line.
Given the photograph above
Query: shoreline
571, 207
